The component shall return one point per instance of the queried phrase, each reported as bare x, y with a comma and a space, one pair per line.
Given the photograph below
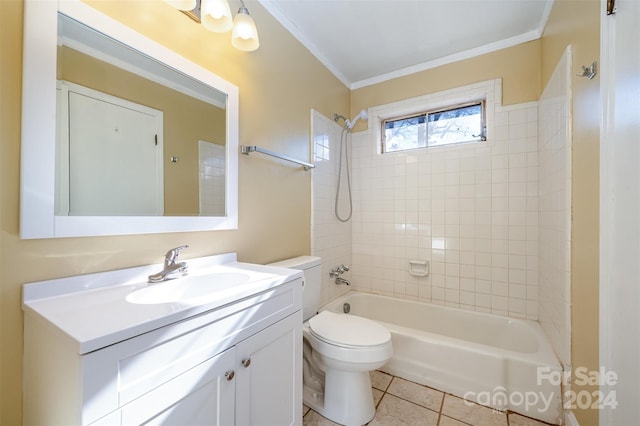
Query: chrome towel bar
246, 149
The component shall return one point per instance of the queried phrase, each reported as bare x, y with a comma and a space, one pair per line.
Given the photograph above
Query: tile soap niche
419, 268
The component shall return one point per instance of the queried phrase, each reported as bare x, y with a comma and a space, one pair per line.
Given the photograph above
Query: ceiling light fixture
215, 15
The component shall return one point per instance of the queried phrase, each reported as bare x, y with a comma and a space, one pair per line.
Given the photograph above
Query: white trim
487, 90
545, 16
37, 188
619, 308
606, 254
85, 40
467, 54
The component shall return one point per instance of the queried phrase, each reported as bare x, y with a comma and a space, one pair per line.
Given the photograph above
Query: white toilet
339, 352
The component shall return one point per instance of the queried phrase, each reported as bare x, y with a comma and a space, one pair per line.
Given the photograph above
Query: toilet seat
348, 331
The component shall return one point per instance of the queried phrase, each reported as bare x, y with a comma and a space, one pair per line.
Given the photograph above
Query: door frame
619, 215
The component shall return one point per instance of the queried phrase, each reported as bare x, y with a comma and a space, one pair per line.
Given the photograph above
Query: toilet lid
348, 330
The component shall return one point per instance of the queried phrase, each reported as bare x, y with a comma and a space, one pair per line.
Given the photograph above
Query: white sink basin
198, 289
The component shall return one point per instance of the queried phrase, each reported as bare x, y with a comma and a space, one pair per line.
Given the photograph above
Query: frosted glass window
457, 124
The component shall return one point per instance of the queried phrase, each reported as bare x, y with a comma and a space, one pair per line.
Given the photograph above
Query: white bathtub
486, 358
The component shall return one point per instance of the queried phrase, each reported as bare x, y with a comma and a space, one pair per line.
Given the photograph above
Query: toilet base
347, 398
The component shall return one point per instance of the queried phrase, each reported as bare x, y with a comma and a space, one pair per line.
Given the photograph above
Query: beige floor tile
394, 411
414, 392
314, 419
408, 403
377, 396
518, 420
472, 413
380, 380
448, 421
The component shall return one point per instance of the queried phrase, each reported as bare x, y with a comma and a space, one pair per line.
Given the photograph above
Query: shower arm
348, 124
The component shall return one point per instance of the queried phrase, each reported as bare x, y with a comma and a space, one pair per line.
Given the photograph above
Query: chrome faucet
341, 280
337, 271
171, 267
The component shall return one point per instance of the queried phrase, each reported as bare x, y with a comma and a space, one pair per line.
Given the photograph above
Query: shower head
361, 115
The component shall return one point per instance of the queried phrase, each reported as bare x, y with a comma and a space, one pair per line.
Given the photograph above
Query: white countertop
93, 309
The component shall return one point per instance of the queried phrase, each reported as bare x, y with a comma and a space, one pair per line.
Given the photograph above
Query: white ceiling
364, 42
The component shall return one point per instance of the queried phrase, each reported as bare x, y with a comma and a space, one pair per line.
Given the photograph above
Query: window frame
482, 102
490, 90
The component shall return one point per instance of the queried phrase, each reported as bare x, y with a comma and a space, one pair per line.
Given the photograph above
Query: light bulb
215, 15
245, 34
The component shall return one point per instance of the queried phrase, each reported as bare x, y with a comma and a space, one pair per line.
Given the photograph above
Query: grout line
453, 418
440, 413
411, 402
444, 395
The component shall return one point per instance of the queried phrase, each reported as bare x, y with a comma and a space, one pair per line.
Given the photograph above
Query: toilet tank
312, 268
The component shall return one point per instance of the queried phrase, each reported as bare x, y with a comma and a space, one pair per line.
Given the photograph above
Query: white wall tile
463, 208
471, 210
554, 209
331, 239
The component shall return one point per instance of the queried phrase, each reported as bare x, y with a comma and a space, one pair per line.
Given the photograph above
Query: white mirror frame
37, 175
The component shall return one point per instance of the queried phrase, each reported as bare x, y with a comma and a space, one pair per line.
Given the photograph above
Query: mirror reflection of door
115, 151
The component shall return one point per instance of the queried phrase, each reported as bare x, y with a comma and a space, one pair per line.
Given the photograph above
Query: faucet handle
338, 270
171, 255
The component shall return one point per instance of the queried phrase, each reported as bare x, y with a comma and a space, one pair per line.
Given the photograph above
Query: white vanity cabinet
254, 382
239, 363
269, 375
203, 395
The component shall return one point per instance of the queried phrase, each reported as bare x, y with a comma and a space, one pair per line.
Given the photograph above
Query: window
453, 125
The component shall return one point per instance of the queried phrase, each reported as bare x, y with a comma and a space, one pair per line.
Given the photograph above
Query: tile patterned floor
400, 402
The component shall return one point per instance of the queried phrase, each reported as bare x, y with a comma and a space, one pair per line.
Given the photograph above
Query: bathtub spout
341, 280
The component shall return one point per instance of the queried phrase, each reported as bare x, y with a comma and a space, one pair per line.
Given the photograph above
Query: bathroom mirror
55, 97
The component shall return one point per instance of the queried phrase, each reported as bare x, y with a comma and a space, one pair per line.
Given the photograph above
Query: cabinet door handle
230, 375
246, 362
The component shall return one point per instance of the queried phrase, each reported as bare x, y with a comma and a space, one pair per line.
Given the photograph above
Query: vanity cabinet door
269, 375
203, 395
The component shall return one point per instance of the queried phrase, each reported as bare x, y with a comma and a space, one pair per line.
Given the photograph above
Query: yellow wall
279, 84
186, 121
577, 22
518, 66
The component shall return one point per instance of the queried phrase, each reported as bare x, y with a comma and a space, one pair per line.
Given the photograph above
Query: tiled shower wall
470, 210
492, 219
330, 238
555, 208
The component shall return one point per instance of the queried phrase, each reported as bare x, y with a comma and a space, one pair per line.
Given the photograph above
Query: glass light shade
215, 15
245, 34
182, 4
